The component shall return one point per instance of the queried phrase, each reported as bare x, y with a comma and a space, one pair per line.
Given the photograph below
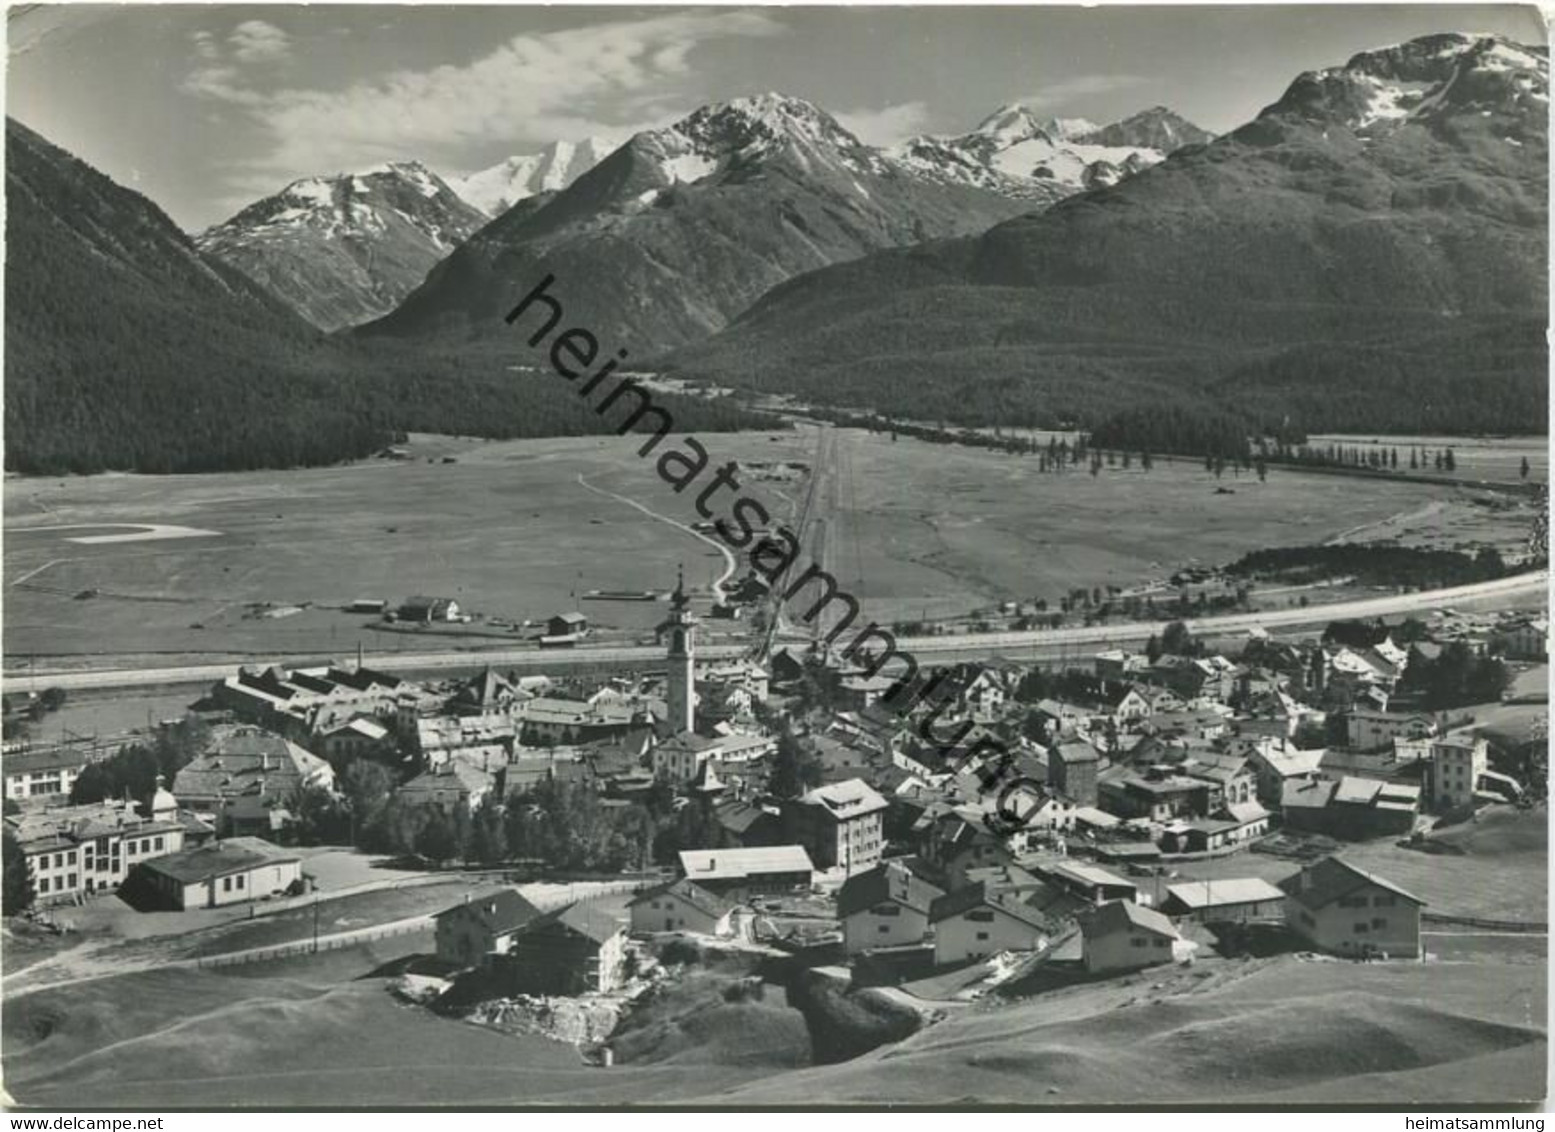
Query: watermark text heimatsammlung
683, 462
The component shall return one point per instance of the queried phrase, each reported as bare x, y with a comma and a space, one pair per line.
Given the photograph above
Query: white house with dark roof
234, 871
888, 906
1345, 910
682, 906
481, 925
1123, 936
971, 923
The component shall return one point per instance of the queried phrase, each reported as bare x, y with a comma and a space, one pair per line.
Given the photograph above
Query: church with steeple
686, 755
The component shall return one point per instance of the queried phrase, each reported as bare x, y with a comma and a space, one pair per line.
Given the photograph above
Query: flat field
511, 532
1496, 459
934, 530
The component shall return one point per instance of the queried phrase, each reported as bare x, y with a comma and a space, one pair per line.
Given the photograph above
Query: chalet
740, 873
959, 840
1234, 900
971, 923
233, 871
579, 949
482, 926
1342, 909
839, 825
683, 906
887, 906
1234, 780
1275, 765
1122, 936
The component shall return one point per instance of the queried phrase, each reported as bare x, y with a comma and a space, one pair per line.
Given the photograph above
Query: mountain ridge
1317, 264
345, 248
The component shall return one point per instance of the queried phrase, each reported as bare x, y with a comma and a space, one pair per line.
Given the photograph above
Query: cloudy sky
205, 108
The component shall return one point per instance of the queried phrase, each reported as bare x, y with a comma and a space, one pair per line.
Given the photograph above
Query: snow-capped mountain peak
1421, 80
496, 189
346, 247
1014, 152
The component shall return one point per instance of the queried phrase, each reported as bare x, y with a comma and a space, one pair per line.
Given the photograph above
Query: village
1186, 802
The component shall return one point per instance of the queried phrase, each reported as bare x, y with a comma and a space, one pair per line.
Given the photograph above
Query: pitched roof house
1123, 936
1340, 908
682, 905
888, 906
971, 923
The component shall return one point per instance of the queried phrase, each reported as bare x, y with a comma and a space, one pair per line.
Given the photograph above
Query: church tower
681, 628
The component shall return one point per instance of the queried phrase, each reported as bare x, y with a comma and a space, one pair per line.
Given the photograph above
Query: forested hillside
127, 349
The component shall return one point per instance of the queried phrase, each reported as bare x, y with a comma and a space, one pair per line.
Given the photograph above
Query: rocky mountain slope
344, 249
1368, 252
126, 347
495, 190
682, 228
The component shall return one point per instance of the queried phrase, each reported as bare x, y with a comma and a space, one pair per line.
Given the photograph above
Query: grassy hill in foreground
311, 1031
1271, 1031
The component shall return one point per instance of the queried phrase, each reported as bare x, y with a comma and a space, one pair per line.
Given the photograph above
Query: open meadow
256, 565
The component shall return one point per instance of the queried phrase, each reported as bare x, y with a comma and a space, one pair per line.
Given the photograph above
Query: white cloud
1066, 91
254, 41
218, 71
562, 84
887, 125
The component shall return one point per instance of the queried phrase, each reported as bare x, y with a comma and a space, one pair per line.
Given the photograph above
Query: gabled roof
1319, 885
1120, 915
888, 881
498, 912
693, 894
583, 917
977, 896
